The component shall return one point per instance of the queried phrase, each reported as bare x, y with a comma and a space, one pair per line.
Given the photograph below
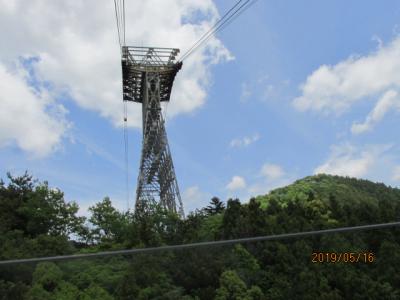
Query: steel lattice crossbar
136, 61
148, 74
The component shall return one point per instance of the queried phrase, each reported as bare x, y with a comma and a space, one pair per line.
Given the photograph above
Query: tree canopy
36, 220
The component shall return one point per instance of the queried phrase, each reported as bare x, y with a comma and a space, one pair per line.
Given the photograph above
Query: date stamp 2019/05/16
342, 257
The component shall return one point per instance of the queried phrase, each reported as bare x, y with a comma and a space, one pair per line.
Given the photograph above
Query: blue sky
299, 88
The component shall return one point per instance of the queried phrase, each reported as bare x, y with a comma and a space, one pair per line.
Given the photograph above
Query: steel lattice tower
147, 78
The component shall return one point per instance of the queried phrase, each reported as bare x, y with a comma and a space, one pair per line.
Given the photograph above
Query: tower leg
156, 181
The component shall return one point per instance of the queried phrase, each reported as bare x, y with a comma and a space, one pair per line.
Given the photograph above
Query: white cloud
349, 160
193, 198
378, 40
389, 100
334, 89
272, 176
77, 50
263, 187
272, 171
269, 177
117, 201
245, 141
246, 92
269, 91
236, 183
396, 173
93, 148
28, 118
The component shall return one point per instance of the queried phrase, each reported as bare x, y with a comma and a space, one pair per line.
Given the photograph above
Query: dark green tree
231, 287
34, 208
216, 206
110, 225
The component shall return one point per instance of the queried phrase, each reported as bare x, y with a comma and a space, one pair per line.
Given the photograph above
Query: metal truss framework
148, 74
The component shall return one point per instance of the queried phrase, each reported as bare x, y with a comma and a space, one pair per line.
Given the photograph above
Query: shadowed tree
34, 208
216, 206
110, 224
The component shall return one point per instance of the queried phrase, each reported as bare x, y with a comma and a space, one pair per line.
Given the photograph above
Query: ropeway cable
203, 244
221, 24
120, 20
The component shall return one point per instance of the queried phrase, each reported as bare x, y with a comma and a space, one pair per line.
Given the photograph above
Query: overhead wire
123, 17
126, 148
126, 120
273, 237
118, 24
233, 18
218, 26
120, 19
226, 19
211, 29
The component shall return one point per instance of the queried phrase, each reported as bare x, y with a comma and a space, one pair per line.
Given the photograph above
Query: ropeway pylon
147, 77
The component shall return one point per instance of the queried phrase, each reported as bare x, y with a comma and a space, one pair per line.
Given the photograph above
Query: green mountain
35, 220
338, 200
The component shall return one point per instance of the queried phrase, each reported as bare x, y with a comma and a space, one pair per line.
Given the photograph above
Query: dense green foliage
35, 220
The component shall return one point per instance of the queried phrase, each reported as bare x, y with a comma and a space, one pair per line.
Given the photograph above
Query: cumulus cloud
349, 160
396, 173
335, 88
236, 183
389, 101
94, 148
272, 171
76, 45
271, 176
193, 198
246, 92
28, 117
245, 141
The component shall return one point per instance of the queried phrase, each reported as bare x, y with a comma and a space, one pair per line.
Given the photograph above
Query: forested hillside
35, 220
